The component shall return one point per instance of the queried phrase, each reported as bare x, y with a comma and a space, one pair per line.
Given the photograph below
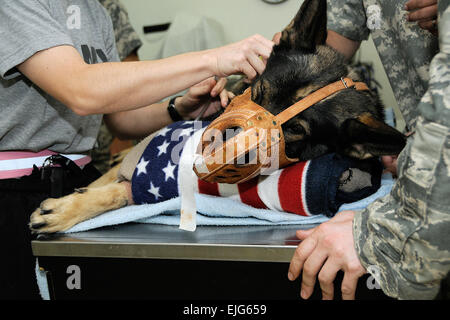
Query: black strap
173, 113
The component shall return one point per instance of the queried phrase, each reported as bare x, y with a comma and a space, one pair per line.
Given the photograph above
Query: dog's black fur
350, 122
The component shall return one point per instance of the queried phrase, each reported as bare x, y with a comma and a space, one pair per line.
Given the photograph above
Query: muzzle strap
317, 96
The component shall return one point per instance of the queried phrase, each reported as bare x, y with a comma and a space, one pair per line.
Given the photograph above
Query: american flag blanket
318, 186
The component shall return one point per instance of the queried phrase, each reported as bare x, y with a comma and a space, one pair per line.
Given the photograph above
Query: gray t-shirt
31, 119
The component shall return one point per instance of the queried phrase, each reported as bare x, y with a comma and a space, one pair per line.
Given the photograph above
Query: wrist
212, 62
176, 111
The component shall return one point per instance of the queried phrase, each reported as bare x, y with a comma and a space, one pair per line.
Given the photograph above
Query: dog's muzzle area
241, 143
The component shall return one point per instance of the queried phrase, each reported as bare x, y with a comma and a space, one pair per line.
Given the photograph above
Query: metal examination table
144, 261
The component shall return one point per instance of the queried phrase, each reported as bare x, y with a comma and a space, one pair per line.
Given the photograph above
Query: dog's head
350, 122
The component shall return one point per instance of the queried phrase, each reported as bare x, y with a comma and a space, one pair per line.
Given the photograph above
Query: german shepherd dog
349, 122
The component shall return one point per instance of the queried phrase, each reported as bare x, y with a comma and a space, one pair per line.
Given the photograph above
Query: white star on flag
163, 148
169, 171
164, 131
154, 191
186, 132
142, 166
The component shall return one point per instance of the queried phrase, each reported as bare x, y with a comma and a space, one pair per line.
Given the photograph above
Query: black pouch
65, 176
19, 197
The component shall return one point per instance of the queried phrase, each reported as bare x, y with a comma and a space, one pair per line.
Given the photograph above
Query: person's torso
32, 119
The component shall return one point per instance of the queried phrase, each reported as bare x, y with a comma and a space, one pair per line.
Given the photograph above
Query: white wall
240, 19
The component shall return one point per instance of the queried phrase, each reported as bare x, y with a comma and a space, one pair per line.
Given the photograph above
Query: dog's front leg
55, 215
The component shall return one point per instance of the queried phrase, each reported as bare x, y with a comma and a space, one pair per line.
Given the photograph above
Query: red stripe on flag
248, 191
290, 189
208, 188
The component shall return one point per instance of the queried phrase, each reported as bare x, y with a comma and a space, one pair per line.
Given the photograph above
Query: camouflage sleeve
127, 40
348, 18
406, 235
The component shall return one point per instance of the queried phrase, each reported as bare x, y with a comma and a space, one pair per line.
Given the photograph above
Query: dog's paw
55, 215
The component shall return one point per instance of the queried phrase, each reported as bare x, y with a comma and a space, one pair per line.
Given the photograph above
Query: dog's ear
308, 28
366, 137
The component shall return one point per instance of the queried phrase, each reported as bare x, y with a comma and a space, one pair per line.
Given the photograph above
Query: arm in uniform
406, 235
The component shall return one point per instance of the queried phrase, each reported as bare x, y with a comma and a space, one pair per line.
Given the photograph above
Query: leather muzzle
247, 140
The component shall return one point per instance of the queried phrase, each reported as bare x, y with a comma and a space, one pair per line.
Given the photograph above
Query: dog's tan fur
63, 213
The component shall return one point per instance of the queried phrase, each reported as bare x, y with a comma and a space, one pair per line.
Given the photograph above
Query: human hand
325, 250
390, 164
424, 12
248, 56
390, 161
210, 94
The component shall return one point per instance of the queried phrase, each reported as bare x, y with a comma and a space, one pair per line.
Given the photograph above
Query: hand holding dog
424, 12
324, 251
243, 57
210, 94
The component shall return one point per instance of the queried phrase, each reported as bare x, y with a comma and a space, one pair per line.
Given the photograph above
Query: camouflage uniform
404, 48
406, 235
127, 42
